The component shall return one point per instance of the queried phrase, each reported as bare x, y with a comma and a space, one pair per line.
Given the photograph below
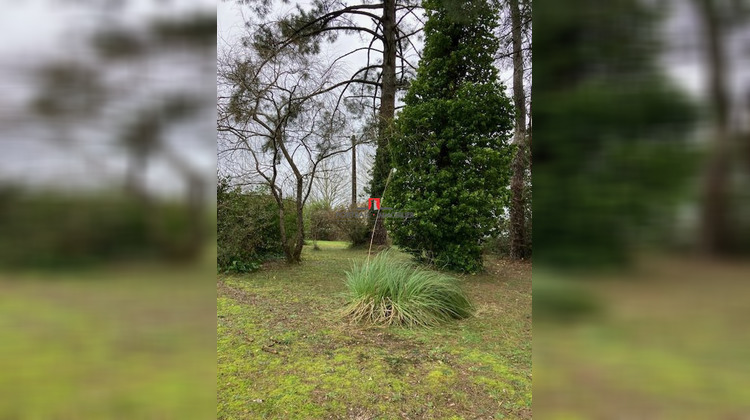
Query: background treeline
443, 136
248, 228
248, 231
52, 229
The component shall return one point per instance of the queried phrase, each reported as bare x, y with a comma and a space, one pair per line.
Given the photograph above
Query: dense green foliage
247, 228
53, 229
451, 148
609, 150
499, 242
385, 291
324, 223
356, 230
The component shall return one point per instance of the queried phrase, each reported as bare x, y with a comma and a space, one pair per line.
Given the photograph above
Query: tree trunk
518, 241
299, 239
282, 231
388, 94
385, 113
714, 234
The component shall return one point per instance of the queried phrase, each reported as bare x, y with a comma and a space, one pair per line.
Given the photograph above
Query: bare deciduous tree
274, 118
390, 33
330, 185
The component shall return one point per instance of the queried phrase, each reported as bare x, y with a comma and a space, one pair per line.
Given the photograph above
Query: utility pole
354, 171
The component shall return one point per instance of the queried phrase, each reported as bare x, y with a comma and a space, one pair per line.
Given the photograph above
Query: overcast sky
40, 31
684, 61
34, 31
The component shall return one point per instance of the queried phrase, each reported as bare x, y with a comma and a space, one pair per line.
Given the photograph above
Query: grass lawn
672, 342
284, 352
107, 343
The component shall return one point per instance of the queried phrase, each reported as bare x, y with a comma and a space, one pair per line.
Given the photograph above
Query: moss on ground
284, 352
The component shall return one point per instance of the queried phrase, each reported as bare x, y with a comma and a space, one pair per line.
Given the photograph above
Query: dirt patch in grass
284, 351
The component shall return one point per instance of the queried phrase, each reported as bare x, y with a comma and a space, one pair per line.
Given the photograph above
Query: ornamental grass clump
387, 292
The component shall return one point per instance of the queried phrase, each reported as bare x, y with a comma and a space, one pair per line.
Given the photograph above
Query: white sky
231, 20
683, 37
37, 31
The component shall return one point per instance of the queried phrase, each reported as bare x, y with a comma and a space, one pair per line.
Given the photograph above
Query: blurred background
641, 172
107, 204
641, 176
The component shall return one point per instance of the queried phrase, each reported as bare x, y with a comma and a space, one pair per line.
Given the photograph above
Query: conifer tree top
459, 48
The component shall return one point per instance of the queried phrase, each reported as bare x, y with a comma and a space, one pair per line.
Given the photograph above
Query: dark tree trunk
518, 240
295, 254
282, 231
385, 113
714, 234
292, 248
388, 95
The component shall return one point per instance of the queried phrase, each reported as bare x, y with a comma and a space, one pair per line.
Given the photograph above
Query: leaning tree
275, 129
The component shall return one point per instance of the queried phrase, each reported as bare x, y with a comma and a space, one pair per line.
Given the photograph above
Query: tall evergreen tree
451, 147
609, 154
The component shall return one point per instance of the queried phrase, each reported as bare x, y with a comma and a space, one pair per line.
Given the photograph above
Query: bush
247, 228
499, 242
54, 230
559, 300
386, 292
451, 146
240, 267
498, 245
354, 229
321, 222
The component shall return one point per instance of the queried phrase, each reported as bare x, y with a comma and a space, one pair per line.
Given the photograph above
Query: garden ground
285, 352
129, 342
672, 341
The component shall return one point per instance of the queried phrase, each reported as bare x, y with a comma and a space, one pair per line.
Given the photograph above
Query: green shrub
240, 267
451, 148
559, 300
49, 229
386, 292
499, 243
247, 228
320, 220
353, 229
